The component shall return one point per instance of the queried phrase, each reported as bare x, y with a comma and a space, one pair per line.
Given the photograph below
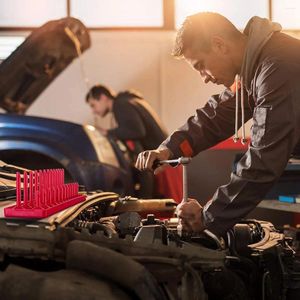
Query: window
237, 11
30, 13
118, 13
160, 14
286, 12
8, 44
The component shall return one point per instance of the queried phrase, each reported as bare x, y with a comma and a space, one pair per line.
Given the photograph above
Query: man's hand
146, 159
190, 216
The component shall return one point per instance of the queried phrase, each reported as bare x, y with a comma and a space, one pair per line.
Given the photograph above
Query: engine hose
93, 227
113, 266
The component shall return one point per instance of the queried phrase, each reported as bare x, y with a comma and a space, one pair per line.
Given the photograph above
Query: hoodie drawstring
244, 140
236, 135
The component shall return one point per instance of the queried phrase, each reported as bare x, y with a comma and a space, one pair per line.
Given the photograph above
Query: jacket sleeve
130, 124
210, 125
272, 141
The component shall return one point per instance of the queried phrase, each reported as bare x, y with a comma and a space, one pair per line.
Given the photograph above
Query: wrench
184, 161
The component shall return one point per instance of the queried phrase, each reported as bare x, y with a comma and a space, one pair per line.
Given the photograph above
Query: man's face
214, 66
99, 107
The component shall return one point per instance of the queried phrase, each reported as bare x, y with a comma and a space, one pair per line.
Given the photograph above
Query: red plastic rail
44, 193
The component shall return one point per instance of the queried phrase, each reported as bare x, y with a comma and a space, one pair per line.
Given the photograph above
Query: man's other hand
146, 159
190, 216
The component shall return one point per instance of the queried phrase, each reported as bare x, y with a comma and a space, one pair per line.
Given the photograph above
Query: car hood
46, 52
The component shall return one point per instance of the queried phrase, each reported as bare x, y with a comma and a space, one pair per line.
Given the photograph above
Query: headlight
102, 146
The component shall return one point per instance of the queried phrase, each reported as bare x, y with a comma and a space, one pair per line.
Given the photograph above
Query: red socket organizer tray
44, 193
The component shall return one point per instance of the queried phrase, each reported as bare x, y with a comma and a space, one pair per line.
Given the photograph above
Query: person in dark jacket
136, 120
260, 69
138, 125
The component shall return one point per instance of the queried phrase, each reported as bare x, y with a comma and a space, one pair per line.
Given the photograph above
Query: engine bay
130, 248
108, 234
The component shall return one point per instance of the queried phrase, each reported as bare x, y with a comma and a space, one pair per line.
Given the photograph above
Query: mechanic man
138, 125
136, 119
261, 70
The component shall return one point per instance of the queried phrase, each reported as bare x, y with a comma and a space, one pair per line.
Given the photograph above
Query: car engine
108, 247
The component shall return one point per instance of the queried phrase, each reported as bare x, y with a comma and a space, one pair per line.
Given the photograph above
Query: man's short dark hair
196, 31
98, 90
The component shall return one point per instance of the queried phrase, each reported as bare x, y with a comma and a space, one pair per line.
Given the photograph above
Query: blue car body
47, 143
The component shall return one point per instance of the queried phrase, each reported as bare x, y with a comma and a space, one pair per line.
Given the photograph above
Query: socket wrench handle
184, 161
173, 162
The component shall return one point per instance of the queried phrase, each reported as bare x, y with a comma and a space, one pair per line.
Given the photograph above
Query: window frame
168, 21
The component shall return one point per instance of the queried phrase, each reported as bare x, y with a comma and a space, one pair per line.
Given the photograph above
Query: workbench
282, 206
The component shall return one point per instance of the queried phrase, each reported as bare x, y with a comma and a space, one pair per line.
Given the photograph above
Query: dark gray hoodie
270, 75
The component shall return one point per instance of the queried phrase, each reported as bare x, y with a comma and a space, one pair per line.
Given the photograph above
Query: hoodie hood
129, 94
259, 31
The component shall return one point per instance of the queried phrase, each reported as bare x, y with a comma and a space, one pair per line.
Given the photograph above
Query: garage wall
128, 59
124, 59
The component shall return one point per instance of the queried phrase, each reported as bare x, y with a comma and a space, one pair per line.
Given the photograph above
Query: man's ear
219, 45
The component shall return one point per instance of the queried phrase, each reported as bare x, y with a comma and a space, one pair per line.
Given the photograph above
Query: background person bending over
136, 120
266, 66
138, 126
